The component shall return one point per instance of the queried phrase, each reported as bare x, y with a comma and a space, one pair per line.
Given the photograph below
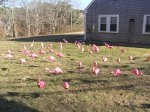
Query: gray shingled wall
127, 9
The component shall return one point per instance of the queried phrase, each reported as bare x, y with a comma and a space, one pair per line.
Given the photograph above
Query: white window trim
108, 23
144, 24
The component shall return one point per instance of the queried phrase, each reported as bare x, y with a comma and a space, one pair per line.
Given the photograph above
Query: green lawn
87, 93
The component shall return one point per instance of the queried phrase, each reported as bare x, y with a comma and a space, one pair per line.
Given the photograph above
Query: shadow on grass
52, 38
4, 69
144, 105
33, 66
72, 37
13, 106
93, 81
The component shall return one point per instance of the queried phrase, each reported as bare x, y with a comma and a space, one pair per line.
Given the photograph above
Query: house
123, 21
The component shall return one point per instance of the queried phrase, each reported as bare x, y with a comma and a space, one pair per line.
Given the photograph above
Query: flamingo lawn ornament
78, 44
55, 71
40, 84
95, 63
123, 50
118, 60
148, 58
107, 45
8, 56
34, 55
60, 45
42, 44
51, 58
94, 48
51, 50
60, 55
82, 49
50, 45
96, 71
23, 60
32, 44
41, 52
136, 72
80, 65
116, 72
130, 58
94, 66
65, 41
91, 52
66, 85
25, 48
104, 59
9, 52
26, 52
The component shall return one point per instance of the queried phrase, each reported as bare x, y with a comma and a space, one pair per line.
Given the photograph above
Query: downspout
85, 25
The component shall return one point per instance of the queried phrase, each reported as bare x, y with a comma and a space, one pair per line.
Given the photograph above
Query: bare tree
33, 17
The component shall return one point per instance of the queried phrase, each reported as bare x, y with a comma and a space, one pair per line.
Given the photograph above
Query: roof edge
85, 10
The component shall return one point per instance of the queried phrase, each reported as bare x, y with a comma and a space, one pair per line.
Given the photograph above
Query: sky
84, 3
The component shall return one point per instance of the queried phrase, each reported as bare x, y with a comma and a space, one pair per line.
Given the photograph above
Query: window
103, 24
108, 23
146, 24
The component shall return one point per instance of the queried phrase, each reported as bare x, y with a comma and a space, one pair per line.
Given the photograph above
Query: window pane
103, 20
113, 27
113, 20
103, 27
148, 20
148, 28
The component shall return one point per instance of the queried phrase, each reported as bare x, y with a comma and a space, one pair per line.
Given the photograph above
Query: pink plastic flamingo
66, 85
25, 48
94, 66
51, 50
123, 50
51, 58
40, 84
41, 52
34, 55
94, 48
42, 44
82, 49
148, 58
65, 41
136, 72
118, 60
8, 56
80, 65
32, 44
60, 45
116, 72
26, 52
55, 71
107, 45
130, 58
104, 59
78, 46
60, 55
91, 52
22, 60
50, 45
96, 71
9, 52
